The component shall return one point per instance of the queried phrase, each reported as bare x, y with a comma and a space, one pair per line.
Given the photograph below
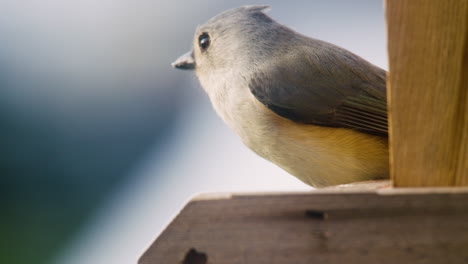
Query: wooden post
428, 92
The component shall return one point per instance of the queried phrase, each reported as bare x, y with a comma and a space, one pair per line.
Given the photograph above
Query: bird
316, 110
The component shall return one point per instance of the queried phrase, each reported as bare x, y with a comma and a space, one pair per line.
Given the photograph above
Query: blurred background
102, 142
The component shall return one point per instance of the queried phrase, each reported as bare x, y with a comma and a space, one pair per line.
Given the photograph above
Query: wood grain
403, 226
428, 92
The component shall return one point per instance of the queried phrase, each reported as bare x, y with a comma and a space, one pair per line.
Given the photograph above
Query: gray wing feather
326, 86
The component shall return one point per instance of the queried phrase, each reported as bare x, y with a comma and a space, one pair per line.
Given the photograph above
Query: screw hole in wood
195, 257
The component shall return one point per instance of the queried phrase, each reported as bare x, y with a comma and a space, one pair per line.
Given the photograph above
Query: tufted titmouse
316, 110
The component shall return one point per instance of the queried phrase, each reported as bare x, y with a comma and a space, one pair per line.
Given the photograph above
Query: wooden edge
378, 187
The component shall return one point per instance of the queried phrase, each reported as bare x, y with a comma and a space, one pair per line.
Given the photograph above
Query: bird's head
239, 36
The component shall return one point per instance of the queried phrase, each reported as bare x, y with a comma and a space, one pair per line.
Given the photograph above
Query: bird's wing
332, 87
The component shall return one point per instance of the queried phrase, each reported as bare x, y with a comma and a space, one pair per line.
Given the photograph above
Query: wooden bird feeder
428, 121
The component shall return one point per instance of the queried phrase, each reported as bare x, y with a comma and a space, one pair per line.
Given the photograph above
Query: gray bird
316, 110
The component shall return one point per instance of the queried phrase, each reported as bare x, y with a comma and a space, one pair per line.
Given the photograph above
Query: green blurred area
53, 180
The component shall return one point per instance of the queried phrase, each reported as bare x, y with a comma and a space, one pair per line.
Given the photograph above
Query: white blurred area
203, 155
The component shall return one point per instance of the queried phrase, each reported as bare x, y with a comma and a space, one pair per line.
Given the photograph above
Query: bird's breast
246, 116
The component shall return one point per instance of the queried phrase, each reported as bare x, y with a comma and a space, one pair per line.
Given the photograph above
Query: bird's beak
185, 62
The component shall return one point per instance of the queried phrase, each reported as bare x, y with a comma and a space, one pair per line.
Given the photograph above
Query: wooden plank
428, 92
388, 226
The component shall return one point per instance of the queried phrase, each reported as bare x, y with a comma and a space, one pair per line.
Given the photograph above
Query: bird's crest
258, 8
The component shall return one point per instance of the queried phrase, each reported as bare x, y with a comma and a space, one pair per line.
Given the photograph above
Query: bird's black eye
204, 41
